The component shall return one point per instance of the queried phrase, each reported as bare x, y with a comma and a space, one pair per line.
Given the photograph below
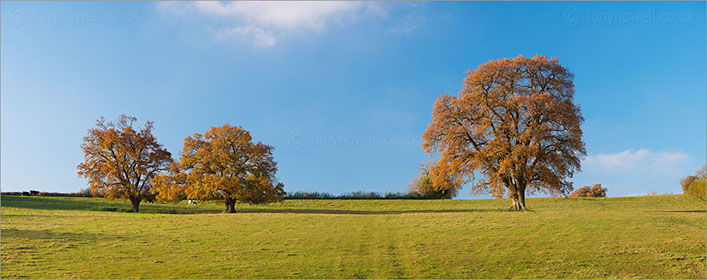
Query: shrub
361, 195
399, 195
86, 192
81, 193
685, 182
422, 184
308, 195
589, 191
697, 187
76, 194
11, 193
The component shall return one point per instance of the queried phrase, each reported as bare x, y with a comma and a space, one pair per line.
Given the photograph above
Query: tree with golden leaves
423, 185
513, 128
120, 161
223, 163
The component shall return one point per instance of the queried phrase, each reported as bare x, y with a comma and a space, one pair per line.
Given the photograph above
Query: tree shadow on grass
57, 203
55, 235
90, 204
365, 212
85, 204
680, 211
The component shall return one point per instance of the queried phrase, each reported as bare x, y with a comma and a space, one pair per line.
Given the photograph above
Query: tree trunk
521, 199
230, 206
135, 201
518, 199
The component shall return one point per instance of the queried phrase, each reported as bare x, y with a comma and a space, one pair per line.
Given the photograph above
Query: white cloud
631, 160
260, 37
634, 172
313, 16
263, 23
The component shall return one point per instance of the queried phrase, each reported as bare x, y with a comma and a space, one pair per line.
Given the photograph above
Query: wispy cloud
634, 172
259, 36
407, 24
629, 160
264, 23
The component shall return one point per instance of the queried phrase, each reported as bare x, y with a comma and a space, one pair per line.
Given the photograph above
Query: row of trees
121, 161
513, 129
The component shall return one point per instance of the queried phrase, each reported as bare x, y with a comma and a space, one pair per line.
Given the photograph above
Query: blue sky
343, 90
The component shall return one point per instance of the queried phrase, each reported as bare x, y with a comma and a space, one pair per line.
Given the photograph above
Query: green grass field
625, 237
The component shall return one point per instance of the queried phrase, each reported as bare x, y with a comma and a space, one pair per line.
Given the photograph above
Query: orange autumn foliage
594, 191
223, 163
120, 161
515, 124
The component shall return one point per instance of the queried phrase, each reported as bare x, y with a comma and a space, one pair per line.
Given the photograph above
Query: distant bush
55, 194
11, 193
695, 185
685, 182
76, 194
649, 193
412, 195
361, 195
594, 191
422, 184
86, 192
309, 195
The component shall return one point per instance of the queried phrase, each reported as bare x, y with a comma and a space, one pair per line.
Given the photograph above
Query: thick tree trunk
518, 198
135, 201
230, 206
521, 199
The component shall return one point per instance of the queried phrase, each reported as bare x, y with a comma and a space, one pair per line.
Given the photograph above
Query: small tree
120, 161
223, 163
422, 184
695, 185
685, 182
515, 123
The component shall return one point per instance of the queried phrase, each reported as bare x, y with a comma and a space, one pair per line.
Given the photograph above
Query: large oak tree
223, 163
513, 128
120, 161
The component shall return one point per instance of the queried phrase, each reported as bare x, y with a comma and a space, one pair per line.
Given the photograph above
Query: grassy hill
624, 237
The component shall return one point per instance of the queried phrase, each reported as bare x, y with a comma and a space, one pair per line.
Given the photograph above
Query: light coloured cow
191, 202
